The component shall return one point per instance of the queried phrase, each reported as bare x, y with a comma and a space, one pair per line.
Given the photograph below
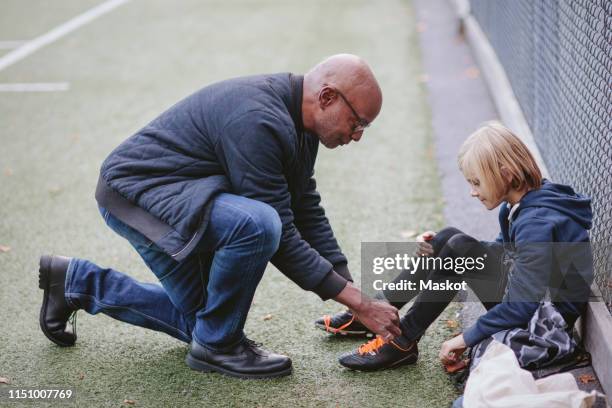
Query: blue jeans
205, 297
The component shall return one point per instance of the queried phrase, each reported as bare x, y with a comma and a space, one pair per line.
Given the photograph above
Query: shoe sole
404, 361
204, 367
347, 333
44, 270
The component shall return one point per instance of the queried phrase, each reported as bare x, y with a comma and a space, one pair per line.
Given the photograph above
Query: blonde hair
492, 147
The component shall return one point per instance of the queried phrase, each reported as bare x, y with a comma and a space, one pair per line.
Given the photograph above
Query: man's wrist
352, 297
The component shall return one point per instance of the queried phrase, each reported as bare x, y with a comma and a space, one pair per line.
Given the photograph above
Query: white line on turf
58, 32
35, 87
9, 45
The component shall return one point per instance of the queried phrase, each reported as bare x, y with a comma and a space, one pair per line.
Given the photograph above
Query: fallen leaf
423, 78
267, 317
452, 324
408, 234
129, 402
583, 357
472, 73
55, 191
457, 366
4, 380
460, 32
586, 378
81, 376
4, 248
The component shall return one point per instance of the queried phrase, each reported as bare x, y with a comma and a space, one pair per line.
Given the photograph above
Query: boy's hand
424, 248
452, 349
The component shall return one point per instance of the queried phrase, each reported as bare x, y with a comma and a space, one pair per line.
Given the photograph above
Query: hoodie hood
560, 198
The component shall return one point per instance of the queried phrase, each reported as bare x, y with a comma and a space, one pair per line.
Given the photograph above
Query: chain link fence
558, 57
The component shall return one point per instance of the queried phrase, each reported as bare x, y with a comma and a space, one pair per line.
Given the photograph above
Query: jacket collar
295, 108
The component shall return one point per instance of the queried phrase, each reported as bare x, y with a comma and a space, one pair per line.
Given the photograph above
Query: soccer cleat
379, 354
344, 324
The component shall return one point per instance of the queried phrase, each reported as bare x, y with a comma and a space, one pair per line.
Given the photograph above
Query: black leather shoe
343, 324
245, 360
380, 355
55, 311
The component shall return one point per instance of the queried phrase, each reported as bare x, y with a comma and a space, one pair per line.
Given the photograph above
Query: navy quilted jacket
242, 136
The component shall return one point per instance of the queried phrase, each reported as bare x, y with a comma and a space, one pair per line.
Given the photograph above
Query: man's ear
327, 96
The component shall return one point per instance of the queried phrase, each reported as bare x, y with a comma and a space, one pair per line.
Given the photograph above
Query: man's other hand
380, 317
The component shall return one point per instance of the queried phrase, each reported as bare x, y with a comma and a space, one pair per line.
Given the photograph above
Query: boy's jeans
205, 297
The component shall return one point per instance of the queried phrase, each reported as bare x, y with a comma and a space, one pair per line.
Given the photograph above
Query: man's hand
378, 316
424, 248
452, 349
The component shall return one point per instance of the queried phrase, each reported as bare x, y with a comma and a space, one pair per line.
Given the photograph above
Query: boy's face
479, 190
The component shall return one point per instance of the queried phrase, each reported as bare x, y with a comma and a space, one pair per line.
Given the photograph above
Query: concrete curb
596, 330
596, 325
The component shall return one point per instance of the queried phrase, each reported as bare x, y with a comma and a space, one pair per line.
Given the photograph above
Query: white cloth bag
499, 382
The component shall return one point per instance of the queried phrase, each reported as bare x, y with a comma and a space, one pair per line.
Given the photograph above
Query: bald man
208, 193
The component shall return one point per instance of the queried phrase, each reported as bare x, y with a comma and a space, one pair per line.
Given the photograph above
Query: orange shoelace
328, 328
372, 345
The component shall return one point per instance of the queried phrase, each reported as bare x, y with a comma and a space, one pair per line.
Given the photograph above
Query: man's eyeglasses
361, 124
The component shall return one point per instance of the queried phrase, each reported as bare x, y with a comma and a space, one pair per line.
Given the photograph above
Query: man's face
338, 123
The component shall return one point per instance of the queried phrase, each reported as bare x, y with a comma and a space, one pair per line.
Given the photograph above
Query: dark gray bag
545, 341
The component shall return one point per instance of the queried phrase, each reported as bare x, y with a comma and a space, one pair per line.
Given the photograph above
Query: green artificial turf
126, 67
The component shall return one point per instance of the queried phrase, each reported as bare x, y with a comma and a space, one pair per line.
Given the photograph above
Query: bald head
341, 88
352, 76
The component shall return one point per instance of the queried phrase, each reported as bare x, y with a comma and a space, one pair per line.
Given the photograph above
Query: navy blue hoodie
555, 214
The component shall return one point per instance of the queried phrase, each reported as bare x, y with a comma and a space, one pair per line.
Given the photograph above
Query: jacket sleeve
527, 283
253, 156
314, 227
